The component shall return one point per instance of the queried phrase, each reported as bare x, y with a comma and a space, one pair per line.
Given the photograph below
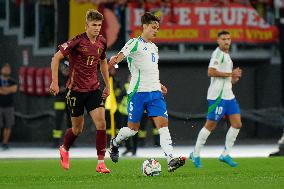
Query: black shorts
77, 101
7, 117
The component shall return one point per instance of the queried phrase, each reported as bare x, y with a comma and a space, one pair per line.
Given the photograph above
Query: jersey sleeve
67, 47
129, 47
103, 55
216, 59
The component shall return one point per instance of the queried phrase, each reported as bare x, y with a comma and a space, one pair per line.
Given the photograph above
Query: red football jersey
84, 58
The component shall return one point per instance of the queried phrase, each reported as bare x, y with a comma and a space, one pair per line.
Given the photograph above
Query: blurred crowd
244, 2
265, 8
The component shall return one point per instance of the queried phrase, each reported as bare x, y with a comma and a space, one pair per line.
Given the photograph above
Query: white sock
201, 139
230, 140
166, 142
123, 134
100, 161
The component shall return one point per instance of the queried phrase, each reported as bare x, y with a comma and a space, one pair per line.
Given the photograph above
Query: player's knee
101, 124
210, 126
77, 130
161, 122
237, 125
133, 126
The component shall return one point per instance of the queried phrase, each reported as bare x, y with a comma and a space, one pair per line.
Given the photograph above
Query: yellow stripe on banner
59, 105
77, 13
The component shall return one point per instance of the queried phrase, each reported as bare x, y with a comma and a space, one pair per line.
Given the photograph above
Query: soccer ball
151, 167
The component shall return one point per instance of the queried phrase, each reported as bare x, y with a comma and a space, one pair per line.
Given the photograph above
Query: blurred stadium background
30, 31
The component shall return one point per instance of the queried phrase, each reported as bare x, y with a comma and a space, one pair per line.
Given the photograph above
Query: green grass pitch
46, 173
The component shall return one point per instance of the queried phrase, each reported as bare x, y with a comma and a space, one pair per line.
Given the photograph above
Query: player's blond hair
93, 15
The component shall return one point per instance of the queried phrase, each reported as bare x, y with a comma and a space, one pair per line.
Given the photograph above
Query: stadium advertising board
201, 22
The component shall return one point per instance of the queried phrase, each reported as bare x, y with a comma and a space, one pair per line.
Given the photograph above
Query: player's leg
231, 137
70, 136
233, 111
126, 132
9, 119
215, 113
156, 108
123, 134
6, 135
236, 124
161, 124
2, 111
135, 110
95, 107
98, 117
75, 103
201, 140
142, 133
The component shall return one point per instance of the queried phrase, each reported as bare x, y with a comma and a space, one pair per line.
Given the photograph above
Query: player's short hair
93, 15
223, 32
148, 18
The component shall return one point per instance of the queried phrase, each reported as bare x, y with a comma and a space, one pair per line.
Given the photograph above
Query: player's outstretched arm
57, 57
116, 59
105, 74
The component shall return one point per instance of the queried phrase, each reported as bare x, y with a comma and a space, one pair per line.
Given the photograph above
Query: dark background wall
187, 83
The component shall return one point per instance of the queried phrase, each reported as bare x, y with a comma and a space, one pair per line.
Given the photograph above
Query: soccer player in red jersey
85, 52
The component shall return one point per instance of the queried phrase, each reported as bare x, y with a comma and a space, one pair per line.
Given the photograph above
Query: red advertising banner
201, 22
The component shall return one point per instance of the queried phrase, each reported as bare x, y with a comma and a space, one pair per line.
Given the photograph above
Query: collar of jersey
141, 39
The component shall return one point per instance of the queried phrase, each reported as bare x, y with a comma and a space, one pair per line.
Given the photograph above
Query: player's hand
112, 61
235, 79
54, 88
237, 73
106, 92
164, 89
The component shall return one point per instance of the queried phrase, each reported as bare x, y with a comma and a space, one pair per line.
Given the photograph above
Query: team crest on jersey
216, 63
